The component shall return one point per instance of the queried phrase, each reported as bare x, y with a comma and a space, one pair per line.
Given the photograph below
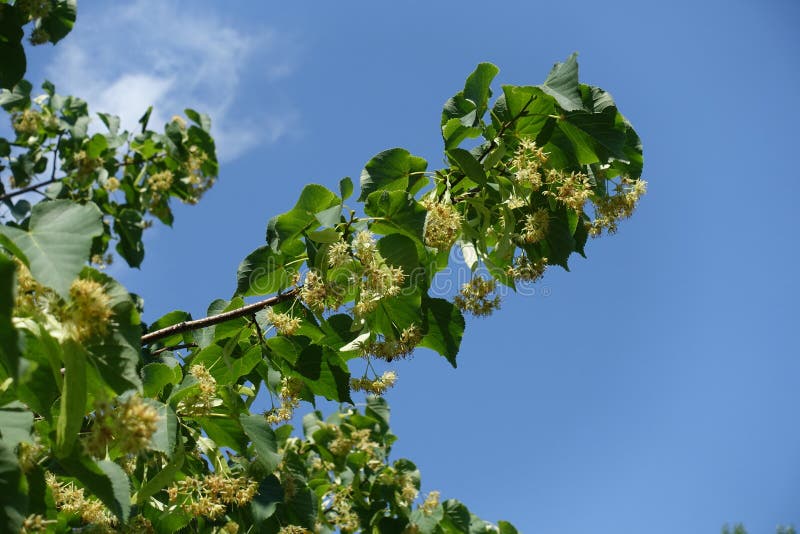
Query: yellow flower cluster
477, 297
193, 167
27, 122
526, 270
30, 293
71, 500
200, 402
211, 495
339, 254
111, 185
572, 190
442, 224
379, 279
375, 278
609, 210
160, 181
316, 294
358, 440
536, 224
389, 349
290, 399
341, 511
128, 424
84, 164
284, 323
527, 164
35, 523
431, 503
89, 312
377, 386
29, 454
293, 529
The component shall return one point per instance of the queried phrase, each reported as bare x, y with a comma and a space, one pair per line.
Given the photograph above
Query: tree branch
29, 188
250, 309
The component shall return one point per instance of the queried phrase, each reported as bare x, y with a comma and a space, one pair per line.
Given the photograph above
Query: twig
250, 309
52, 179
29, 188
174, 347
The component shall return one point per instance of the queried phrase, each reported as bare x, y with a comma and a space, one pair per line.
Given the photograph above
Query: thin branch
250, 309
29, 188
52, 179
174, 347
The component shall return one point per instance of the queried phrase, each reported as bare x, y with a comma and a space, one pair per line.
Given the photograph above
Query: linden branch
250, 309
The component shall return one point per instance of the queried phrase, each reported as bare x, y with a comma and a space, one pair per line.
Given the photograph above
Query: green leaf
562, 84
400, 251
112, 122
287, 227
396, 212
104, 479
326, 235
128, 225
16, 422
58, 241
456, 516
117, 356
96, 145
391, 170
163, 477
201, 119
454, 131
226, 432
9, 351
263, 438
325, 373
445, 328
13, 504
157, 375
18, 98
426, 523
13, 65
264, 504
262, 272
529, 107
506, 528
468, 165
345, 188
60, 20
227, 370
477, 86
73, 397
164, 438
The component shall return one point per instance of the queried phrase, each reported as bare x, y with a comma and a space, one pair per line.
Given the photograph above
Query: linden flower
111, 185
201, 402
526, 270
284, 323
89, 312
609, 210
535, 228
527, 162
442, 224
431, 503
289, 393
293, 529
160, 181
33, 9
27, 123
477, 297
211, 496
389, 349
84, 164
571, 189
339, 254
377, 386
130, 424
72, 501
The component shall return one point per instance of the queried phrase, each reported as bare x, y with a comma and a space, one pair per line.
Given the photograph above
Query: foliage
116, 425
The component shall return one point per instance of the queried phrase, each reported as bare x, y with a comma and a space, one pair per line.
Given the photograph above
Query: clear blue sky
654, 388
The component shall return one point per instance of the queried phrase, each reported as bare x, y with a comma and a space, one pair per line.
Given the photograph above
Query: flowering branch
250, 309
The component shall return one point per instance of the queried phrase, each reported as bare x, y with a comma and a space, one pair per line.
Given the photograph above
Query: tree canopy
111, 424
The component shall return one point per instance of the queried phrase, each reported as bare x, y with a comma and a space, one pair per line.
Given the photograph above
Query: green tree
111, 424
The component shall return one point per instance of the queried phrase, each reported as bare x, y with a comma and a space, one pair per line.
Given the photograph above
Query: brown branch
29, 188
250, 309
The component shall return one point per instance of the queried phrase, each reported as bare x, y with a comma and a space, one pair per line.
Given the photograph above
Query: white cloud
150, 52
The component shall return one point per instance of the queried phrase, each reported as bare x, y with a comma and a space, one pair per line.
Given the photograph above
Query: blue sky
653, 387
